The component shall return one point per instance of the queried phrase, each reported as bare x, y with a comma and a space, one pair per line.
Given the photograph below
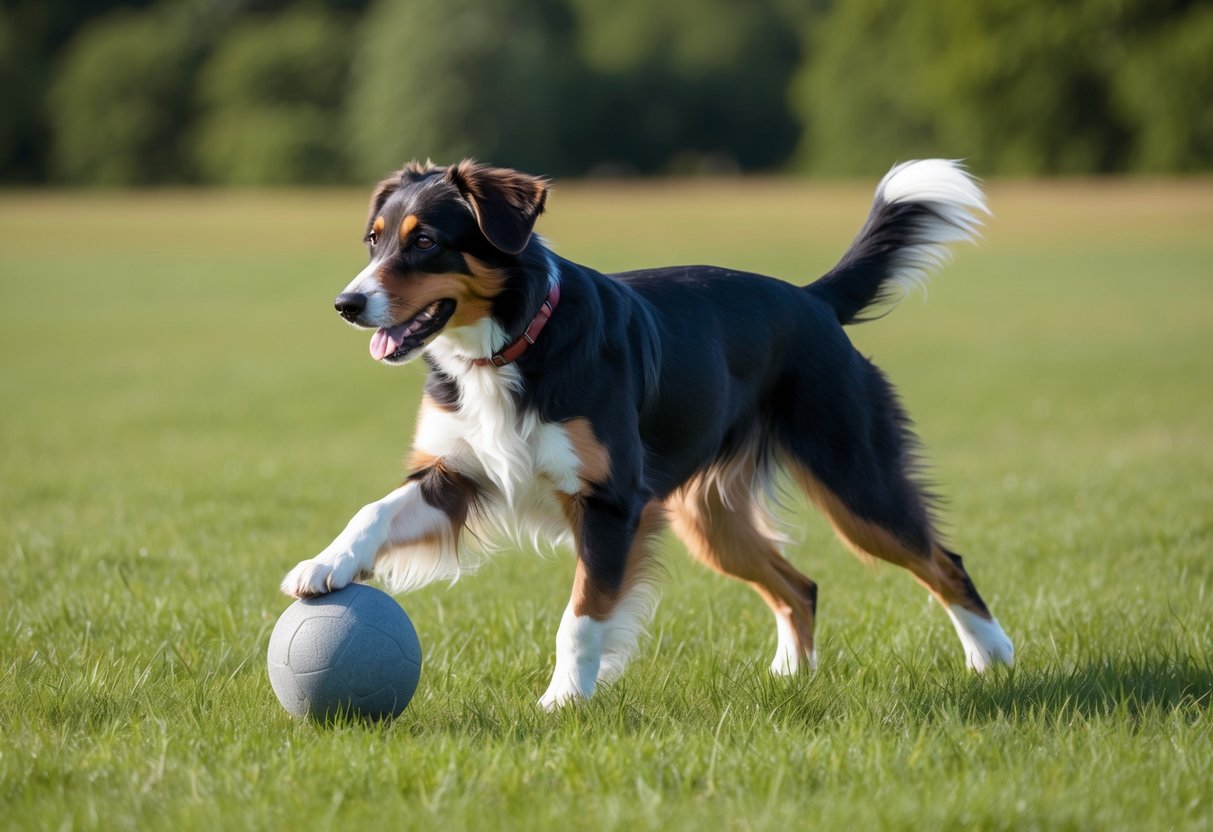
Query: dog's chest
514, 455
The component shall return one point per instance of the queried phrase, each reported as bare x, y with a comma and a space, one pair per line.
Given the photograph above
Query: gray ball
353, 652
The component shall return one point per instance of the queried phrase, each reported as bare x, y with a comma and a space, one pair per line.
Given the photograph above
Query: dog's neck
510, 354
456, 349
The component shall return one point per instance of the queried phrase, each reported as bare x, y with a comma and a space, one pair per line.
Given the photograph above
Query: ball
353, 652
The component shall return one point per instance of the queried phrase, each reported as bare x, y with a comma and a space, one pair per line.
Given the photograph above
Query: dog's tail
920, 208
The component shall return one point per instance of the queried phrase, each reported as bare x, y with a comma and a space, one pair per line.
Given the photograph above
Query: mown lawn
183, 418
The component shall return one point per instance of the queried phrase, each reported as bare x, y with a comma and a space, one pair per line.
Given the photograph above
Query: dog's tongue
387, 340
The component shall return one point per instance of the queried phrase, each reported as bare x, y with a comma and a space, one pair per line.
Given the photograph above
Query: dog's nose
350, 304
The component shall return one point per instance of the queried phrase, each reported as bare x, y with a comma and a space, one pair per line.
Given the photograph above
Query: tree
1163, 85
453, 78
1018, 87
122, 96
18, 109
676, 85
271, 98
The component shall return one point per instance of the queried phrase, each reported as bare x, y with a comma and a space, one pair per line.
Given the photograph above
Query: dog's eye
423, 242
372, 238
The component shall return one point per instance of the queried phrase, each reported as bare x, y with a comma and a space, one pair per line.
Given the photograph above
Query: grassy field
184, 418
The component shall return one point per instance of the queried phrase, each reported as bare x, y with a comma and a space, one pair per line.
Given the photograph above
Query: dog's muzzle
350, 305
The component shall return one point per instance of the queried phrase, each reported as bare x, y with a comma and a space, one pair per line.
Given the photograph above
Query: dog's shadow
1132, 688
1129, 686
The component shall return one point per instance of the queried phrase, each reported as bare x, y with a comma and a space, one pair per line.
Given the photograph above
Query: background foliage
265, 91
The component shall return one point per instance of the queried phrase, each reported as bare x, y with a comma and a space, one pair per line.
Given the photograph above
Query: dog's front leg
408, 515
611, 558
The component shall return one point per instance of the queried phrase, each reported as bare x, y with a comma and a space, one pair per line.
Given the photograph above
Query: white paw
563, 691
578, 660
789, 664
985, 643
319, 576
790, 656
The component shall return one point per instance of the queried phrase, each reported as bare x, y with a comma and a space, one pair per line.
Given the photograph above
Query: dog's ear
506, 202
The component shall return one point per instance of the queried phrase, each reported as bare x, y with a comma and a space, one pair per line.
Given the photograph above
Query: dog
571, 404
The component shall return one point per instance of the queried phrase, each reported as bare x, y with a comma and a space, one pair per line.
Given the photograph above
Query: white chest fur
521, 462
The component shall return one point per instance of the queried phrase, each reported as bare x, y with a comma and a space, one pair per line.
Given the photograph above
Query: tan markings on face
473, 294
377, 226
481, 269
593, 461
407, 225
598, 602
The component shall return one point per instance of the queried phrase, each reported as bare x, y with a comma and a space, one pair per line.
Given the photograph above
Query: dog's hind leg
612, 597
725, 528
859, 472
940, 571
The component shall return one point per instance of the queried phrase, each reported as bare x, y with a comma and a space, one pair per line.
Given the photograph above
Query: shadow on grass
1121, 686
1129, 688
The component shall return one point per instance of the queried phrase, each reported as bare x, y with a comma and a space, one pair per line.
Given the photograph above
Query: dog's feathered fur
662, 393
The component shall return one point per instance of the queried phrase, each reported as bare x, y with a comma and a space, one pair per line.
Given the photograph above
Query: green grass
183, 418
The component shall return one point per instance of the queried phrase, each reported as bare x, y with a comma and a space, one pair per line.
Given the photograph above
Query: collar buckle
527, 339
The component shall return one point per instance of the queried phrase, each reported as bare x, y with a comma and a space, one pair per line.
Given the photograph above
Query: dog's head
443, 242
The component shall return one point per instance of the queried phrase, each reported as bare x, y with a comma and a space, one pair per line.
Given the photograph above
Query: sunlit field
184, 417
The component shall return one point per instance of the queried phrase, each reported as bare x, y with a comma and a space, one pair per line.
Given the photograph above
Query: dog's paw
995, 649
569, 685
557, 696
985, 643
318, 576
788, 663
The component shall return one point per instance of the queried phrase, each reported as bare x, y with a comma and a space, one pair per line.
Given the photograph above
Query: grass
183, 419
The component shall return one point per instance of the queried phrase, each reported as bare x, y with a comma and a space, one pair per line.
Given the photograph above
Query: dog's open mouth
397, 341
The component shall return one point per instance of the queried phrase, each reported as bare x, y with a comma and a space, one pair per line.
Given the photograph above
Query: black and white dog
564, 401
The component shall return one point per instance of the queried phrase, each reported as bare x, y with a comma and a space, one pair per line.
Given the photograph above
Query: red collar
511, 353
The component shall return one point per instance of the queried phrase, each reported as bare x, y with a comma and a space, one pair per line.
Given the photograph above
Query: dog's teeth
422, 318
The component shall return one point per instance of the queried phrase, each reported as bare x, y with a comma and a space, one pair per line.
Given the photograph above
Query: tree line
269, 91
